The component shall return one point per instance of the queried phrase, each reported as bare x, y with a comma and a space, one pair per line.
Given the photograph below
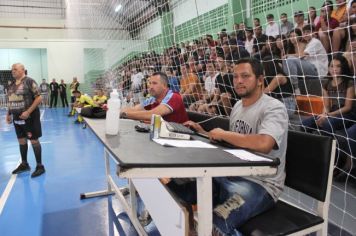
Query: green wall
208, 23
156, 44
260, 8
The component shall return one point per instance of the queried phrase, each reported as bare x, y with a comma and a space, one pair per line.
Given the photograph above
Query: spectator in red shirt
162, 102
326, 24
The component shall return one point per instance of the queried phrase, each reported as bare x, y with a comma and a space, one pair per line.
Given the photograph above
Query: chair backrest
311, 86
209, 122
308, 162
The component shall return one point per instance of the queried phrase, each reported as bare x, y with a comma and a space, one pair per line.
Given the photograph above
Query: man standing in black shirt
63, 93
24, 98
53, 87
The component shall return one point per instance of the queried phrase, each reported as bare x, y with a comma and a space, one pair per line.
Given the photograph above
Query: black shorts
31, 129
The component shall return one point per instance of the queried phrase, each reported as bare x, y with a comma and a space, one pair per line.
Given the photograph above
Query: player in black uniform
23, 111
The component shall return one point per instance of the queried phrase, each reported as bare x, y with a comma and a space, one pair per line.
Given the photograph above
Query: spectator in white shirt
136, 86
272, 28
249, 40
311, 63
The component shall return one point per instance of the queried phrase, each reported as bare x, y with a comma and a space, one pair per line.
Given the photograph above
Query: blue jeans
331, 123
238, 200
290, 104
235, 200
295, 67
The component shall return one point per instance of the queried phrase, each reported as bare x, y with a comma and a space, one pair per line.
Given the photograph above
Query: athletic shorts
29, 128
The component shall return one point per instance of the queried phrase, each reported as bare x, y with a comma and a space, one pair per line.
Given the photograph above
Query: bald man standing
23, 111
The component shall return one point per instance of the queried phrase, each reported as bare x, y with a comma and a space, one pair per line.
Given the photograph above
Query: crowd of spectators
317, 45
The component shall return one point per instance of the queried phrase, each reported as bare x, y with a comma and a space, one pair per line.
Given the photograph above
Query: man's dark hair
270, 16
186, 65
257, 19
328, 4
209, 61
308, 28
76, 91
162, 76
284, 14
255, 65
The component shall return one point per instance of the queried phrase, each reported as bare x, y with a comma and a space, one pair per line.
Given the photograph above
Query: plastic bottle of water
113, 114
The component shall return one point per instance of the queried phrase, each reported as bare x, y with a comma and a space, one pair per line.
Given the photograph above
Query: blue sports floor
50, 204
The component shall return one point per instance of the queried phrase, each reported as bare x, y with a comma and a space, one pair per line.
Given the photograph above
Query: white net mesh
197, 45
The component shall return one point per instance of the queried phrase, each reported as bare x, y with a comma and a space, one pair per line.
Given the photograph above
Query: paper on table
246, 155
183, 143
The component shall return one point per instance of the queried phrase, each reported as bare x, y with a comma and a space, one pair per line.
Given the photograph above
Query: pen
167, 145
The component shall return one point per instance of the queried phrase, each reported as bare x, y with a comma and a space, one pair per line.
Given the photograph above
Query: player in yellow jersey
100, 98
82, 101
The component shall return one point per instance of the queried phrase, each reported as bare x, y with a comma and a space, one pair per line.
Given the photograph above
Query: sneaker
21, 168
144, 218
125, 191
39, 171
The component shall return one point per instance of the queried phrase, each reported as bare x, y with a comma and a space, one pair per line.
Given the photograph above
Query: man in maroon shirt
326, 25
162, 102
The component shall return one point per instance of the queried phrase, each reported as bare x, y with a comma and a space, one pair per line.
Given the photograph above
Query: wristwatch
123, 115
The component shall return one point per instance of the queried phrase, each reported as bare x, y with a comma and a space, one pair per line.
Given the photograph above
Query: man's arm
142, 114
24, 115
256, 142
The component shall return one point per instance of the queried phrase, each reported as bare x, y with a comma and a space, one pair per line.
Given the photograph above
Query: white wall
65, 58
151, 30
187, 10
34, 59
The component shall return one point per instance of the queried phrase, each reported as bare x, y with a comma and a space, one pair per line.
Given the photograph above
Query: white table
142, 162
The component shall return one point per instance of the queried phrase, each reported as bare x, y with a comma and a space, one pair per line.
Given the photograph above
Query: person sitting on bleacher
209, 88
225, 96
259, 123
162, 102
312, 62
344, 34
82, 101
278, 85
326, 25
97, 110
190, 87
338, 94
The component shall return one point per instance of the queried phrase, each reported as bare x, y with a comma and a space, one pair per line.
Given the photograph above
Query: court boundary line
5, 195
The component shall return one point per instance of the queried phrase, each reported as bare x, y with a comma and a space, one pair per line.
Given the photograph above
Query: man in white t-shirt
249, 40
311, 63
272, 28
136, 86
209, 88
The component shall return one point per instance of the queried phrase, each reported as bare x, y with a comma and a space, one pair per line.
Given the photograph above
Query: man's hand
8, 119
24, 115
195, 126
216, 134
321, 119
165, 180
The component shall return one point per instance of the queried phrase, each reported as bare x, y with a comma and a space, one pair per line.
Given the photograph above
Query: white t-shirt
249, 45
136, 80
272, 30
317, 56
209, 84
266, 116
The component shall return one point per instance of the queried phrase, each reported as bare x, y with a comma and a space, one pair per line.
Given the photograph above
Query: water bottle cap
114, 94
